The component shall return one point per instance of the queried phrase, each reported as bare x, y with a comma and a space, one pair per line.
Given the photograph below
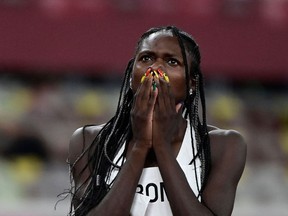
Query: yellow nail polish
166, 78
143, 78
156, 74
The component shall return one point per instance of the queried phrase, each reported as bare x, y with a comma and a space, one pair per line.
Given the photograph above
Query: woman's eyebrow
146, 52
173, 55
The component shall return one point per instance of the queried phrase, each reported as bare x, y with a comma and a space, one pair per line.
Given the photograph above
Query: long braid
119, 113
192, 113
206, 159
205, 135
201, 130
103, 148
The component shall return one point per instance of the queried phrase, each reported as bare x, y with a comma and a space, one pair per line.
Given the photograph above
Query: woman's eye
145, 58
173, 62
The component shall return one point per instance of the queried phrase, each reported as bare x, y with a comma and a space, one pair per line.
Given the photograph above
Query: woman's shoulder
224, 133
87, 131
227, 144
81, 138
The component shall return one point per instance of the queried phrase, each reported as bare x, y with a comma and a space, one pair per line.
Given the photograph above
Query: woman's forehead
160, 40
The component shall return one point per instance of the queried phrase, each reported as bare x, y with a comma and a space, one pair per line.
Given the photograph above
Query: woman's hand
142, 113
166, 117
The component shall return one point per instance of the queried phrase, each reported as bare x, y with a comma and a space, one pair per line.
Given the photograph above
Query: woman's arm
228, 159
119, 199
228, 155
228, 152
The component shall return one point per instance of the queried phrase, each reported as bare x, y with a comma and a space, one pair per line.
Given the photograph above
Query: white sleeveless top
150, 197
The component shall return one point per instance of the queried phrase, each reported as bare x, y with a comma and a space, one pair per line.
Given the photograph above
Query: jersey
150, 197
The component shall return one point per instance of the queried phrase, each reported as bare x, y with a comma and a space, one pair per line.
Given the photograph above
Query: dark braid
203, 143
201, 131
117, 131
103, 149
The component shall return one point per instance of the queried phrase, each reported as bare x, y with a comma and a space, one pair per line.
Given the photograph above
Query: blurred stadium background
61, 64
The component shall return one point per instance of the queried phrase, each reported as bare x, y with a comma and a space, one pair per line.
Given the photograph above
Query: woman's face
162, 50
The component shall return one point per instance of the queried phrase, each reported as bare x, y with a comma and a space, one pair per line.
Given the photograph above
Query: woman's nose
157, 64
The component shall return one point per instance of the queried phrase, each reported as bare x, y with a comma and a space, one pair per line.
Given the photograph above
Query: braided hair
117, 131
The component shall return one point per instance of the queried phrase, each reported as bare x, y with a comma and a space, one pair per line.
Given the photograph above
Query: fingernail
148, 71
156, 74
154, 85
160, 72
166, 78
142, 79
